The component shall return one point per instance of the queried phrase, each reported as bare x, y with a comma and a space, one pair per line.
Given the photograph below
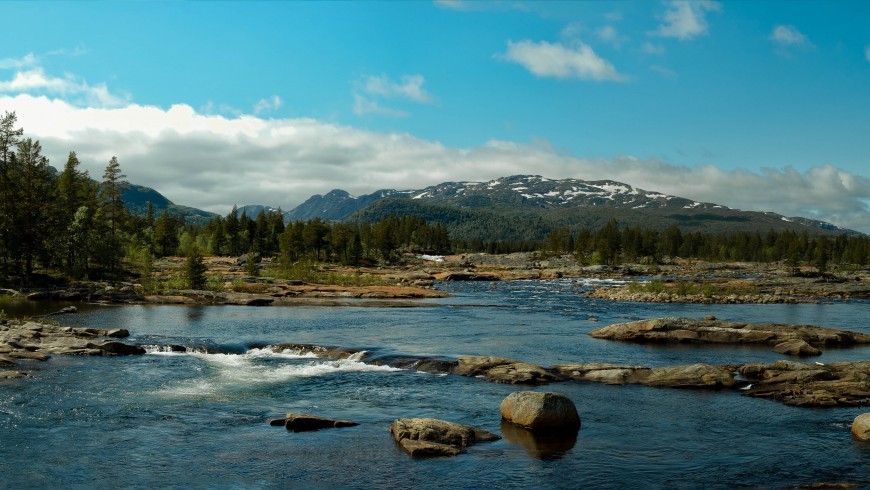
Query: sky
754, 105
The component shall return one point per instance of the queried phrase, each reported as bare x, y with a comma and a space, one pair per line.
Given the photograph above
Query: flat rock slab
427, 437
688, 330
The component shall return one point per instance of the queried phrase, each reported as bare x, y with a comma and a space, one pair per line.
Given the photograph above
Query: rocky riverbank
31, 340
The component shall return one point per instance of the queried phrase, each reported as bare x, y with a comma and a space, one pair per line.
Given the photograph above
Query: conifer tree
195, 269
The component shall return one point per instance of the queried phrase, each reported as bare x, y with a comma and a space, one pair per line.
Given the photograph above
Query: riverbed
199, 419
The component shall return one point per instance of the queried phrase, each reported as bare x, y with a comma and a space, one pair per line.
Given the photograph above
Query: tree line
68, 222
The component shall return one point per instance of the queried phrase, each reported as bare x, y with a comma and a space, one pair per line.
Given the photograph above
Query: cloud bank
213, 162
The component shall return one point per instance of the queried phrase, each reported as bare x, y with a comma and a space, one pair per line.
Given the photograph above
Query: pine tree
113, 211
195, 269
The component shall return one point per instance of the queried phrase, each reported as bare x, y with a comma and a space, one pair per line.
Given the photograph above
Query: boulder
861, 427
796, 347
433, 437
540, 411
301, 422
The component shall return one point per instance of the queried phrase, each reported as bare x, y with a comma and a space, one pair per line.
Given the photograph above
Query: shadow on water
544, 445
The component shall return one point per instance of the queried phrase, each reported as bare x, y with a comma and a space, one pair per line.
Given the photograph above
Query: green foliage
195, 269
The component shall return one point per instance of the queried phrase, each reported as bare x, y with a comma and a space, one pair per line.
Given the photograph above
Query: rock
796, 347
540, 411
301, 422
121, 349
426, 449
861, 427
118, 333
692, 376
503, 370
12, 374
601, 373
470, 276
433, 437
243, 259
710, 317
713, 331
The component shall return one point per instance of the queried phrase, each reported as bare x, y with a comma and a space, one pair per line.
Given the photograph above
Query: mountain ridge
563, 202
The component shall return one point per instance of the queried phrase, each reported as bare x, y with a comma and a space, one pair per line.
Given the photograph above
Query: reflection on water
550, 444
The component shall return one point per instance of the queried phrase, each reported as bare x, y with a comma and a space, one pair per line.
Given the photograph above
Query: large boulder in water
540, 411
432, 437
861, 427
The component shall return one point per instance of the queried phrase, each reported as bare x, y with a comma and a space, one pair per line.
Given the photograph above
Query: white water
220, 373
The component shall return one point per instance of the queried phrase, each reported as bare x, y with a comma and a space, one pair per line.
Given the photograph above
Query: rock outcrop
432, 437
796, 347
686, 330
689, 376
503, 370
810, 385
38, 341
540, 411
861, 427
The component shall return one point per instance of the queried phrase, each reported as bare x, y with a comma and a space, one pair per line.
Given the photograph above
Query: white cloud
363, 106
213, 162
452, 4
559, 61
34, 80
867, 53
15, 63
787, 36
409, 87
268, 104
686, 19
608, 34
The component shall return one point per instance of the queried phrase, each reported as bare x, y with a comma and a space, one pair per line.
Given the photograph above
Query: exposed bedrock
687, 330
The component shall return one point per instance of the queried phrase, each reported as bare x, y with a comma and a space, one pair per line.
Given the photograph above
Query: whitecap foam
264, 366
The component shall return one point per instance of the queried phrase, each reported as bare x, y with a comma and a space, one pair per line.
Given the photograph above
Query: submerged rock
432, 437
861, 427
540, 411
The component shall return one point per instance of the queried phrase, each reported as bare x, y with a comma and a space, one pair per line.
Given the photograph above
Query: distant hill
136, 198
530, 206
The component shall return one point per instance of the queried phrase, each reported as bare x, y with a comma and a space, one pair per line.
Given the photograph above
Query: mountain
252, 210
337, 205
136, 198
531, 206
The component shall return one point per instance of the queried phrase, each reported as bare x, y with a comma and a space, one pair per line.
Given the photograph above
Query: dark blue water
199, 420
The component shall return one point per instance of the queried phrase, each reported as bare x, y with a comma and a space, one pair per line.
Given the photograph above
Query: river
199, 420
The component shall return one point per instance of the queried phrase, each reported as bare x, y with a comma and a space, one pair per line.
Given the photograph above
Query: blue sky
755, 105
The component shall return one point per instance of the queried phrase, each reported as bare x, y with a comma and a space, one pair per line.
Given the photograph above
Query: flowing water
198, 419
